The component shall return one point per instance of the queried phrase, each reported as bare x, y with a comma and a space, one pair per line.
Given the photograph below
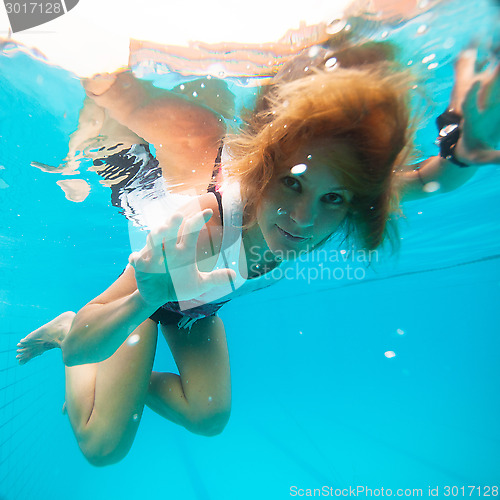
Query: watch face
449, 117
448, 129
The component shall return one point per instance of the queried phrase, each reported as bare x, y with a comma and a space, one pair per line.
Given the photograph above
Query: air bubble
331, 63
390, 354
298, 169
428, 58
336, 26
313, 51
431, 187
133, 339
422, 29
449, 43
400, 332
433, 65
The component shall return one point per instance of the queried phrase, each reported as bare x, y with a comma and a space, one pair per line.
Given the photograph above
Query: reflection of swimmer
185, 157
317, 158
258, 62
128, 167
98, 134
134, 177
136, 182
123, 159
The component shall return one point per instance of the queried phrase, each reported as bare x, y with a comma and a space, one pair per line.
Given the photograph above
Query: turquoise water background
315, 400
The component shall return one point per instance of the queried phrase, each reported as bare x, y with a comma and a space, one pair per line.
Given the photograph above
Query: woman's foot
44, 338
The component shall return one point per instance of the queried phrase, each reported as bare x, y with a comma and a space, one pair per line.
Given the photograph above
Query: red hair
364, 109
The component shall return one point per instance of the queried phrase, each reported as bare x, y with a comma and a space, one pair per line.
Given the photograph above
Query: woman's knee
101, 452
104, 442
98, 460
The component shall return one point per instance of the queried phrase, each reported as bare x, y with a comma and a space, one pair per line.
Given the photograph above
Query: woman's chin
284, 253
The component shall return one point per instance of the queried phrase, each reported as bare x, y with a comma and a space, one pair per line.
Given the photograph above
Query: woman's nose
303, 214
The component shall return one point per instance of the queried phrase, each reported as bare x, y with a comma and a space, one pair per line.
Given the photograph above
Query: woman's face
306, 203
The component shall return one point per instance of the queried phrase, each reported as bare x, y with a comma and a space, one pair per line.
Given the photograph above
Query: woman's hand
478, 96
166, 268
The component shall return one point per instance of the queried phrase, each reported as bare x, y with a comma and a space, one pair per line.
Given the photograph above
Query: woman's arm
434, 175
101, 326
475, 97
165, 270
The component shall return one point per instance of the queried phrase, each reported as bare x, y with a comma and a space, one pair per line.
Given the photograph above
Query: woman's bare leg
199, 398
105, 400
48, 336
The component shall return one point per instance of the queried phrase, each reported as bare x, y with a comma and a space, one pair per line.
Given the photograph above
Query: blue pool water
316, 402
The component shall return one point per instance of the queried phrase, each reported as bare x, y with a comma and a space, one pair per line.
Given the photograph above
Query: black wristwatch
449, 128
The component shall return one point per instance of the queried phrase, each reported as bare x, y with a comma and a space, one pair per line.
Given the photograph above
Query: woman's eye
291, 183
333, 199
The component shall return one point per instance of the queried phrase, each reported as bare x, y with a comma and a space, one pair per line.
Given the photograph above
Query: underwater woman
319, 157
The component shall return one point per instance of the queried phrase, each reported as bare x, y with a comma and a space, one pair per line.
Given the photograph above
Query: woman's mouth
289, 236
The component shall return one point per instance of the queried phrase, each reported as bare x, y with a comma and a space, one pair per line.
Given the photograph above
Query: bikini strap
212, 187
219, 202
